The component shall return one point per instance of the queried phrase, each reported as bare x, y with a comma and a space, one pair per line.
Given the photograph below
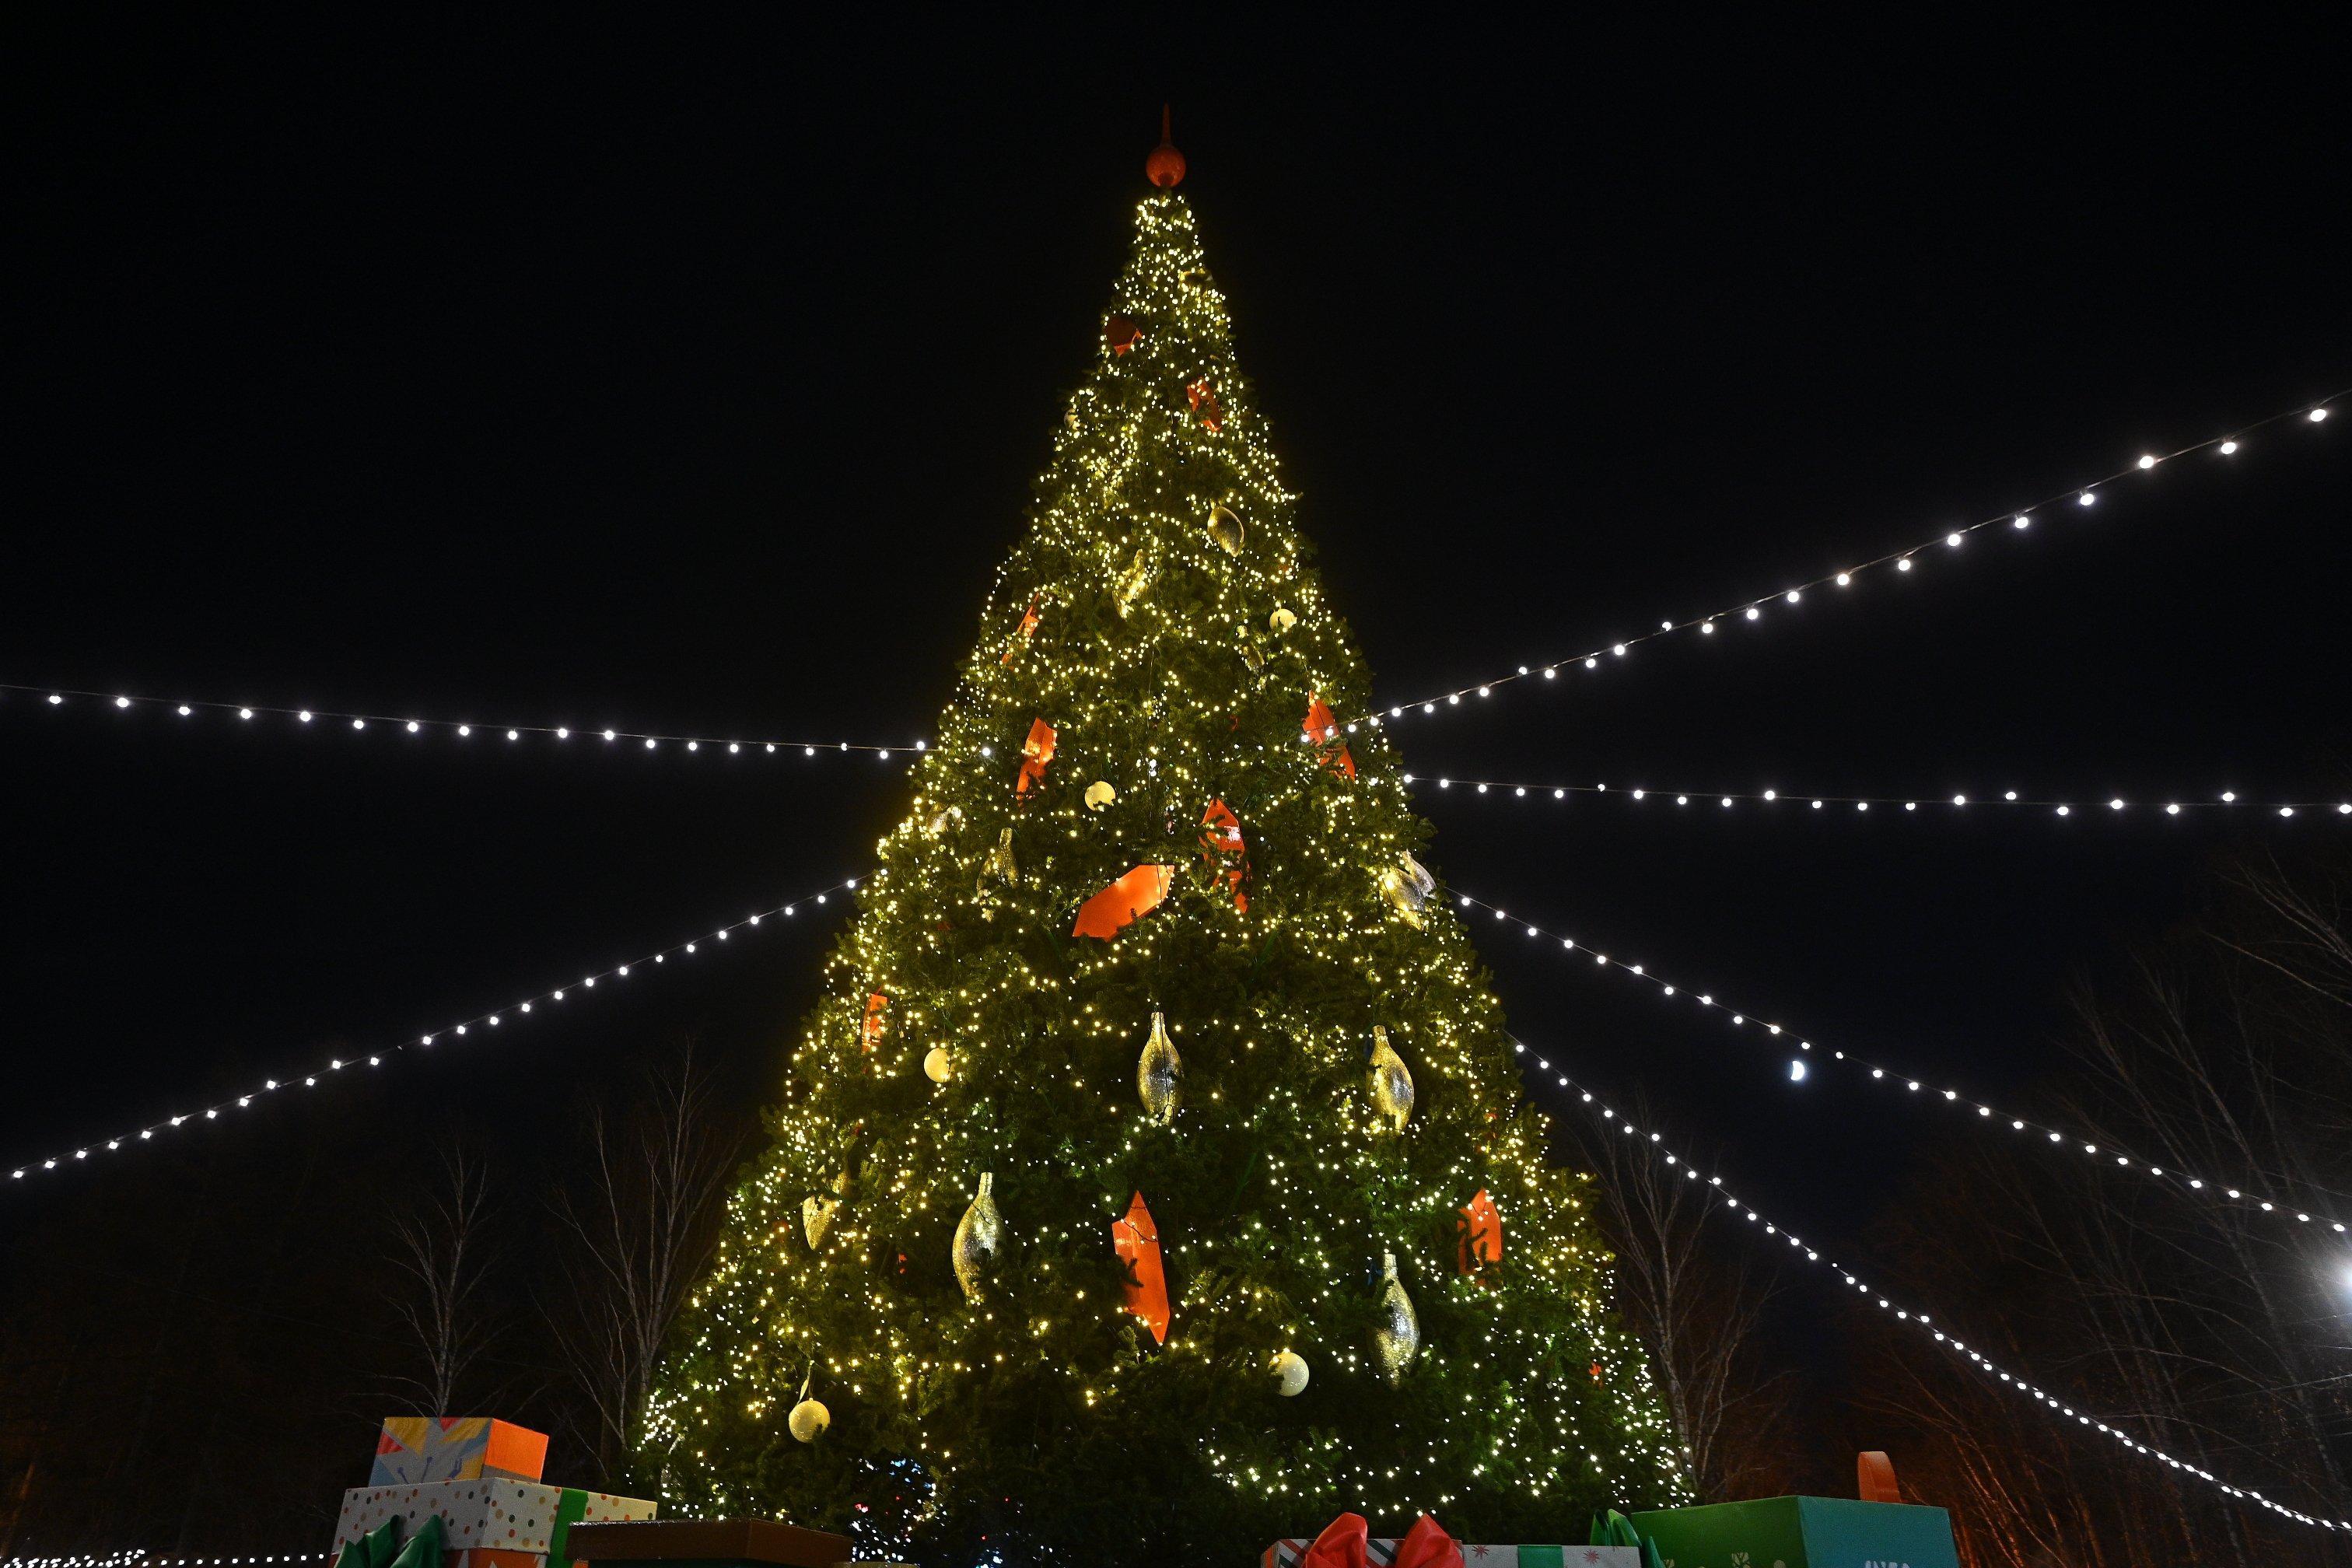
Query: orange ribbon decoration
1136, 893
1223, 837
1028, 627
1323, 730
1135, 1237
1035, 752
1205, 404
1480, 1234
875, 1021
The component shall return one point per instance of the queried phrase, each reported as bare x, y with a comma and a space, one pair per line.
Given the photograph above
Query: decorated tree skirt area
467, 1492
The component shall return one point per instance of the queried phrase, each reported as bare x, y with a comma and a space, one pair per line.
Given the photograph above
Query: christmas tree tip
1165, 167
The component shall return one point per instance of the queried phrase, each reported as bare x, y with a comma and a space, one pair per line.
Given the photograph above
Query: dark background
590, 374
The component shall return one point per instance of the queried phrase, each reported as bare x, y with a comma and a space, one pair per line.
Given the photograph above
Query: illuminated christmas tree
1156, 1176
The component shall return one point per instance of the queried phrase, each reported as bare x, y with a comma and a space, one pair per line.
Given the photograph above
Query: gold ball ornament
937, 1066
978, 1238
1290, 1369
1225, 527
1282, 620
1391, 1082
809, 1417
1099, 794
1397, 1340
1159, 1074
808, 1420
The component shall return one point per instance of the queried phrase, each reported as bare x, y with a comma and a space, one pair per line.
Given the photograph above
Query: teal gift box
1801, 1533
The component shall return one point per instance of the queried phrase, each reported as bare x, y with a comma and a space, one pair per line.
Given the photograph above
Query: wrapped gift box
507, 1521
1801, 1532
1382, 1553
414, 1448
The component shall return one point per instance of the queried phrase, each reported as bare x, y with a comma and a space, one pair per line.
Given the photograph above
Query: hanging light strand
515, 1012
2228, 800
2053, 1407
1974, 1112
139, 1558
55, 698
2018, 519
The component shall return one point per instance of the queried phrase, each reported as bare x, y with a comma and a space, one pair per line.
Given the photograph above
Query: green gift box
1801, 1533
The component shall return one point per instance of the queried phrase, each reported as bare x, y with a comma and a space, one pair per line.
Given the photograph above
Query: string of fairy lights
135, 1559
2053, 1407
315, 720
1975, 1112
2228, 802
149, 1560
515, 1012
2017, 520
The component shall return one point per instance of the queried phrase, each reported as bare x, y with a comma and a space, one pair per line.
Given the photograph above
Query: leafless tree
1695, 1296
2210, 1322
632, 1236
439, 1242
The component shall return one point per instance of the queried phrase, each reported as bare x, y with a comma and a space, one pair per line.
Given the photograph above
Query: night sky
590, 376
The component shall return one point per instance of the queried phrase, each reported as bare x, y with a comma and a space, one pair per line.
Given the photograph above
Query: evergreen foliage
1041, 1420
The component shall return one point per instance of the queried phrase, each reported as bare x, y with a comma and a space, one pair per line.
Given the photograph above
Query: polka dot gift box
501, 1523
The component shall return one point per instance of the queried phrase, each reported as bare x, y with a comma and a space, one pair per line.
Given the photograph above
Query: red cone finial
1165, 167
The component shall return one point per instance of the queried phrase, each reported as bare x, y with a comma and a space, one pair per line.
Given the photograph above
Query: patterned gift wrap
1382, 1554
487, 1516
414, 1448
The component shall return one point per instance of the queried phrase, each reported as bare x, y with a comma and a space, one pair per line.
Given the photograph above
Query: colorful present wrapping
516, 1525
1383, 1553
414, 1448
1801, 1532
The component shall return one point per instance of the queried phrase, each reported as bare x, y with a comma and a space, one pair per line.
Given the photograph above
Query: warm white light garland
1798, 800
54, 697
2075, 497
147, 1559
515, 1012
1984, 1365
1975, 1112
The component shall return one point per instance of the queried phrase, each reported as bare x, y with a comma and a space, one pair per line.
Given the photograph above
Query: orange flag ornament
1479, 1233
1028, 628
1035, 752
877, 1005
1134, 1236
1323, 730
1221, 837
1136, 893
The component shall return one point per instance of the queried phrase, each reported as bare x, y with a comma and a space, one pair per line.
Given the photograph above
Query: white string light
135, 1559
1974, 1112
1713, 1186
586, 737
2016, 520
1948, 804
516, 1011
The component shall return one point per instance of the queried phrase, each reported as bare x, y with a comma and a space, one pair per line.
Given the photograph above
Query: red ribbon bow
1344, 1544
1426, 1545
